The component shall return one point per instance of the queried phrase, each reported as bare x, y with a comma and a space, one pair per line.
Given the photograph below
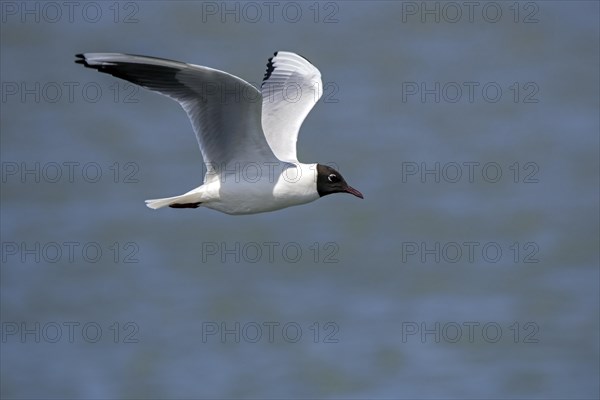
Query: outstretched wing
225, 110
290, 89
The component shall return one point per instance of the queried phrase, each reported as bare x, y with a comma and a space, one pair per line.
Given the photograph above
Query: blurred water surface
381, 320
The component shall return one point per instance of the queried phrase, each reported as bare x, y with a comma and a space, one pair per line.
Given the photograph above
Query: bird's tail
188, 200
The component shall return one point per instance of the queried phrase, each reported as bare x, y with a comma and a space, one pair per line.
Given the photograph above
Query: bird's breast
270, 191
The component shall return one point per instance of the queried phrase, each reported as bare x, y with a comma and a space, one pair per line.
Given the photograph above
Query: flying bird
247, 137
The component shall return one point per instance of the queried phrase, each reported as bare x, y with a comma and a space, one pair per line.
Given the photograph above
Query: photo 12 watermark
269, 332
469, 92
469, 332
69, 252
252, 12
469, 252
58, 172
271, 252
71, 12
471, 172
69, 332
38, 92
452, 12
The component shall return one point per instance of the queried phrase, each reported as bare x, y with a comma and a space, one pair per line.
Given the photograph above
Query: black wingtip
270, 67
185, 205
80, 59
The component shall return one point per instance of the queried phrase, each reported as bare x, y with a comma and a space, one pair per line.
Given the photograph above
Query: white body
237, 126
273, 188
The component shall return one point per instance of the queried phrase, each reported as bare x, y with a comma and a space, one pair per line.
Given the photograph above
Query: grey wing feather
290, 89
225, 110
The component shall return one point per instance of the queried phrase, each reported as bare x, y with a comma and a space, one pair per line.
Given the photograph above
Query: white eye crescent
332, 177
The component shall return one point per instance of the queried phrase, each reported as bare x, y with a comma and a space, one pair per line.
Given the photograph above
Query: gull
247, 137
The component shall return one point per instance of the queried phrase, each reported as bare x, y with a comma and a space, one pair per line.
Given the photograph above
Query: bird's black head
330, 181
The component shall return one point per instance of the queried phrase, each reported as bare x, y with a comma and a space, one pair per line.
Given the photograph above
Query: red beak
353, 191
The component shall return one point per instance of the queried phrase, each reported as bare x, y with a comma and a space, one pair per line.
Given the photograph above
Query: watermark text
270, 252
469, 332
69, 332
269, 332
469, 252
68, 172
52, 12
69, 252
469, 172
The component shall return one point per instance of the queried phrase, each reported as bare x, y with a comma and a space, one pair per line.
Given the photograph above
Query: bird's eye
332, 178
